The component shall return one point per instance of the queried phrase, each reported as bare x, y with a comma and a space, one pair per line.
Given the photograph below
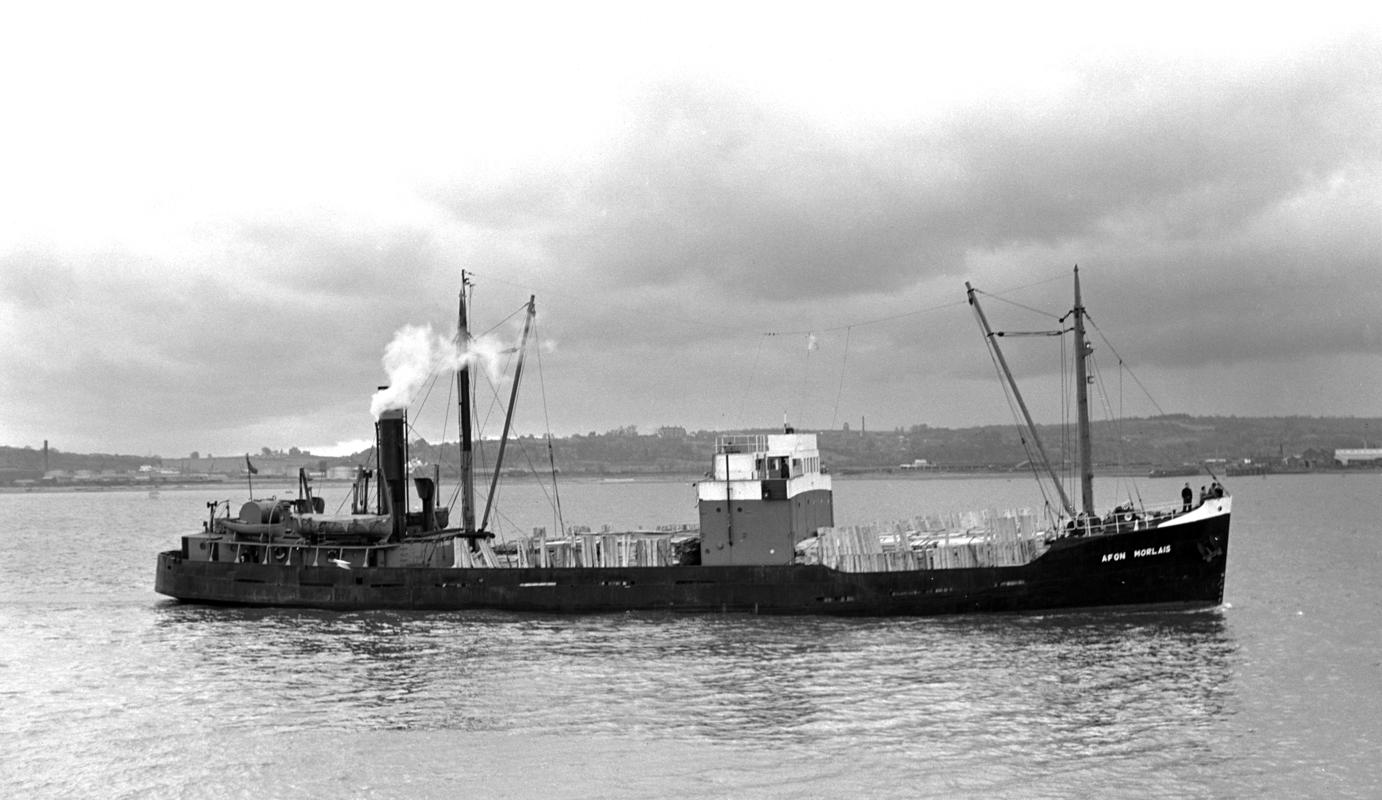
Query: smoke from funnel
417, 353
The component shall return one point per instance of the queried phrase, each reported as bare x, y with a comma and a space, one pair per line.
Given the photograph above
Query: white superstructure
744, 461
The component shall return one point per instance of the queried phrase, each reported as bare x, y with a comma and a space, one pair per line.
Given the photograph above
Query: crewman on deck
1187, 496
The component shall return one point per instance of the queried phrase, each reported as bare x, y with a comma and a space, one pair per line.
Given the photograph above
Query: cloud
705, 186
1223, 214
708, 187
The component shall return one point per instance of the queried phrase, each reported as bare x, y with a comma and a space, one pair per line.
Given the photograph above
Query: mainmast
463, 393
992, 342
508, 417
1082, 350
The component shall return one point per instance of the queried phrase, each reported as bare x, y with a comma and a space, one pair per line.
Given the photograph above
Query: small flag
250, 466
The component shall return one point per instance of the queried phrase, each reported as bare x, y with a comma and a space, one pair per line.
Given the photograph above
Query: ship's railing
287, 553
741, 443
1125, 518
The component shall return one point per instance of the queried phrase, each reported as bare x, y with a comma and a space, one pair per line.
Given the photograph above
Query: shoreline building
1363, 455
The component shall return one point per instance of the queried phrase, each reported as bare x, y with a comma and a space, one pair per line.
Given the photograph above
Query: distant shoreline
670, 477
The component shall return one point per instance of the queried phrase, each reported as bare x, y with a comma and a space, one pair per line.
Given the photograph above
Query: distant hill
1139, 444
20, 463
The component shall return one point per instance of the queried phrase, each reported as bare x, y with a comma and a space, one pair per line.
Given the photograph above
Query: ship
1183, 471
766, 542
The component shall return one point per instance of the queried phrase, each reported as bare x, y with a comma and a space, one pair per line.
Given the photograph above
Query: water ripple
110, 691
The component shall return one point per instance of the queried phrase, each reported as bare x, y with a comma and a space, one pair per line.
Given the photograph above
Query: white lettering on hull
1140, 553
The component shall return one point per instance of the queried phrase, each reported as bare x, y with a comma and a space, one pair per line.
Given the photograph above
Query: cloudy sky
215, 220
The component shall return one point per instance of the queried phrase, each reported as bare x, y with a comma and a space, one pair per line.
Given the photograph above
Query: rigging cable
1131, 374
554, 502
495, 400
1123, 367
844, 362
498, 402
496, 406
446, 416
1037, 311
478, 450
1065, 472
991, 347
1116, 418
867, 322
753, 373
663, 316
805, 379
1067, 380
547, 421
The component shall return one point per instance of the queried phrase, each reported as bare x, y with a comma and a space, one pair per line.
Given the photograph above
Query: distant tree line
1143, 443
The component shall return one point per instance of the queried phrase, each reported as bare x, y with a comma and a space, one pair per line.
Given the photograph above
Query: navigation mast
463, 393
1082, 351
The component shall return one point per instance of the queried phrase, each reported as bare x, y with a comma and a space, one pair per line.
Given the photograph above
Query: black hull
1181, 565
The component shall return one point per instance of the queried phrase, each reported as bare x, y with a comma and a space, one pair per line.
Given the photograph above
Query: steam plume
417, 353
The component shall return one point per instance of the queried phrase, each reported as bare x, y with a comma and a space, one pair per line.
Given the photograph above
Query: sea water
109, 690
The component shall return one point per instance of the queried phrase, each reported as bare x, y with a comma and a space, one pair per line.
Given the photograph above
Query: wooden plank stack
952, 541
582, 548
